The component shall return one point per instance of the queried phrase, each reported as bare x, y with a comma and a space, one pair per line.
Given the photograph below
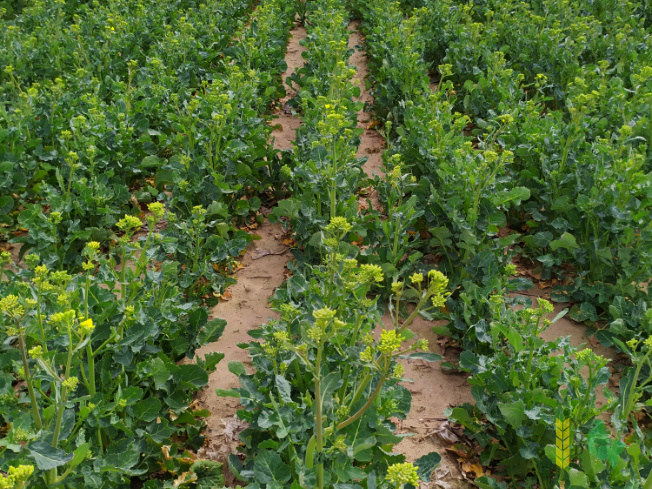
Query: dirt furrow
286, 121
264, 270
371, 142
433, 391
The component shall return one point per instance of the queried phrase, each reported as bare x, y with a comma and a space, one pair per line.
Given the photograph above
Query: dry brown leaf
165, 449
185, 478
472, 467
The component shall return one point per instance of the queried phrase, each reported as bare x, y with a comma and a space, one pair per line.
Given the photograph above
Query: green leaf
151, 162
210, 360
515, 195
427, 356
485, 482
209, 474
191, 374
146, 410
426, 465
441, 330
329, 384
237, 368
47, 457
6, 204
461, 416
227, 393
566, 241
577, 479
79, 455
269, 468
284, 388
212, 331
472, 363
513, 412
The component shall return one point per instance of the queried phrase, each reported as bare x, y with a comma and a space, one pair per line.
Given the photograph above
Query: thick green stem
632, 393
30, 386
319, 423
366, 405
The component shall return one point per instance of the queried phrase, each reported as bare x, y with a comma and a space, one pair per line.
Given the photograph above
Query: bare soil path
433, 391
286, 121
264, 270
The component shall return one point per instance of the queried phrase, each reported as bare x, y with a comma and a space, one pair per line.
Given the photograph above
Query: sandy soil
285, 118
264, 267
372, 143
433, 391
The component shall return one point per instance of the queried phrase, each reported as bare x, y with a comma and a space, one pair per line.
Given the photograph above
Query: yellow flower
36, 352
416, 278
10, 306
405, 473
71, 383
87, 326
390, 341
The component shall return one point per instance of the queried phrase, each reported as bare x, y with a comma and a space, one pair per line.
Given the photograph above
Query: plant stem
362, 410
632, 397
319, 426
30, 387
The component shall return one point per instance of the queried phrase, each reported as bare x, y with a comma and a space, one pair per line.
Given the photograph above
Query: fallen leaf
185, 478
472, 467
165, 449
373, 124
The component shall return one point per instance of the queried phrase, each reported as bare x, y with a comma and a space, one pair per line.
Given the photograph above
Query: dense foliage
135, 144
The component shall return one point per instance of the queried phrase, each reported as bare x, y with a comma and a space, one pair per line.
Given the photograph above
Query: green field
513, 187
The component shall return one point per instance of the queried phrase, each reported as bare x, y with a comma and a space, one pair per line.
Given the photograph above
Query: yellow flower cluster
16, 476
405, 473
10, 306
129, 222
390, 341
86, 327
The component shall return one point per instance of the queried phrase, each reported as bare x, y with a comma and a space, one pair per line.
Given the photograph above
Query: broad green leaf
191, 374
235, 466
151, 162
426, 465
6, 204
515, 195
212, 331
209, 474
227, 393
47, 457
513, 412
284, 388
566, 241
269, 468
429, 357
329, 384
237, 368
577, 479
79, 455
485, 482
461, 416
146, 410
472, 363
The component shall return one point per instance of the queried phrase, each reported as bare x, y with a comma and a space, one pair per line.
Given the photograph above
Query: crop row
95, 325
320, 401
473, 182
